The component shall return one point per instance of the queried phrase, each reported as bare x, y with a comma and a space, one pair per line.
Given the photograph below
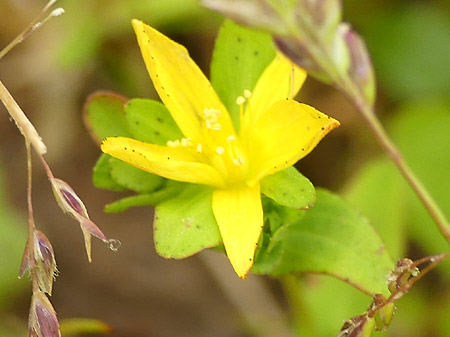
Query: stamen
216, 127
199, 148
238, 161
247, 93
220, 150
173, 143
240, 100
186, 142
231, 138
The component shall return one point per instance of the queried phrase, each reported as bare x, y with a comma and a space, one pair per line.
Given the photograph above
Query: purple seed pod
70, 203
44, 262
42, 321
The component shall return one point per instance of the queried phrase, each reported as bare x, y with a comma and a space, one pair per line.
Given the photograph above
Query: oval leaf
151, 122
289, 188
240, 57
133, 178
102, 177
104, 117
185, 224
331, 238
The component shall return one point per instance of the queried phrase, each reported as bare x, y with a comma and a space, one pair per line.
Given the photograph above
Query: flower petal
181, 85
177, 163
277, 82
284, 134
239, 215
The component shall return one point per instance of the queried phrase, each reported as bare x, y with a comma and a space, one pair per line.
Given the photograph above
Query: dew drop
114, 244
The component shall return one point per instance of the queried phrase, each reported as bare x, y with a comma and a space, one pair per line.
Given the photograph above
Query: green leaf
240, 57
405, 72
131, 177
104, 116
78, 326
334, 239
102, 177
185, 224
13, 239
379, 192
289, 188
170, 189
150, 121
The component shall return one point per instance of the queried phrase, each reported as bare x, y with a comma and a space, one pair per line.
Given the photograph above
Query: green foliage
151, 122
185, 224
289, 188
133, 178
413, 61
13, 234
330, 238
240, 56
421, 130
104, 117
78, 326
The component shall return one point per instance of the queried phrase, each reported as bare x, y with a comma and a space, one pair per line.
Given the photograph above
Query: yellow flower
275, 132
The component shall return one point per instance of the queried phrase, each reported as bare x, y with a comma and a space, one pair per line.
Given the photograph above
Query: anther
199, 148
247, 93
220, 150
186, 142
240, 100
238, 161
231, 138
216, 127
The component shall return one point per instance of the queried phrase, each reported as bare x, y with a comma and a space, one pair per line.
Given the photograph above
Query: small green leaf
289, 188
170, 189
185, 224
101, 176
240, 57
131, 177
331, 238
150, 121
104, 117
78, 326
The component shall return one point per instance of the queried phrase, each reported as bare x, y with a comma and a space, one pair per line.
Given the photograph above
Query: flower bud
42, 321
397, 278
44, 262
358, 326
70, 203
361, 69
253, 13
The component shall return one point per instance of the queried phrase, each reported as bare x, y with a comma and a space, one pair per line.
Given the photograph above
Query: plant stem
343, 82
396, 156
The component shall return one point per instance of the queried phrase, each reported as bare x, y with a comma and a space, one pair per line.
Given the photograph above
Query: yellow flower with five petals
275, 132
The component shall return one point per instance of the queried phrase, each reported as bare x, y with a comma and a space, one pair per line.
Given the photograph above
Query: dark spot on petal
323, 128
303, 149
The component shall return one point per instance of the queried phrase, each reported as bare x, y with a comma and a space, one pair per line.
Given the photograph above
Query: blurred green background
93, 47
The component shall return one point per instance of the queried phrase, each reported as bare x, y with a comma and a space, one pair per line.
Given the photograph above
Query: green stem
321, 55
392, 151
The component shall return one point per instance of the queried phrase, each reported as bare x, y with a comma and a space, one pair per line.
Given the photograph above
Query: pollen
186, 142
173, 143
220, 150
231, 138
240, 100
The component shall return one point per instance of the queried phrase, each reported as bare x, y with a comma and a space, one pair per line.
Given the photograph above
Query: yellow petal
181, 85
239, 215
282, 79
285, 133
173, 163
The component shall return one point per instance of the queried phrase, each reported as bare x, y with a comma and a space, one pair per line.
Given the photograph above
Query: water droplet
114, 244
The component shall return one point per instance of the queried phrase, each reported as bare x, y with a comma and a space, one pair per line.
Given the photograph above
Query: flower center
219, 147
